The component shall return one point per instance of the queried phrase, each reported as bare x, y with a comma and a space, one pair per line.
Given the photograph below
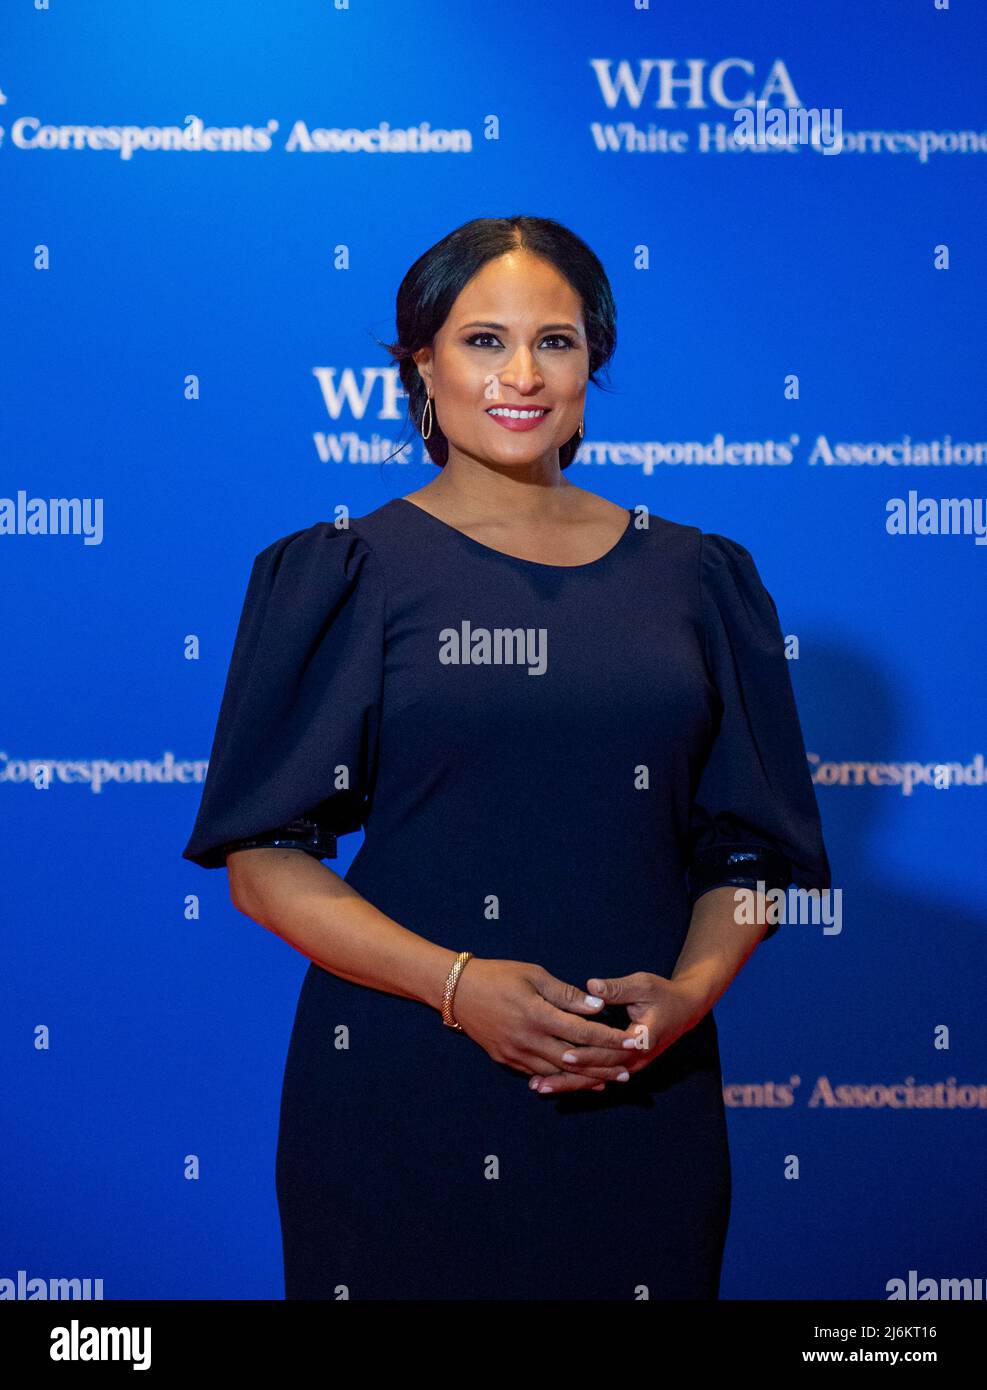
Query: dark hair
432, 285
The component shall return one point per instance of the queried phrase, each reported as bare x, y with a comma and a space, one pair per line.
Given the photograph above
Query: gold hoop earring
581, 429
427, 411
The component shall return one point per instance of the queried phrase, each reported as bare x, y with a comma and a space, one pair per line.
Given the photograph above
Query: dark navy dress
562, 798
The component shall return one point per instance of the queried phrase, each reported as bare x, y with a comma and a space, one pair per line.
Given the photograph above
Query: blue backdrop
207, 212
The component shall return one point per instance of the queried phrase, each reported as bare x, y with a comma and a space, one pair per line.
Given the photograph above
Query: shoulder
723, 551
670, 543
725, 565
733, 593
705, 561
344, 546
318, 567
342, 541
716, 569
322, 541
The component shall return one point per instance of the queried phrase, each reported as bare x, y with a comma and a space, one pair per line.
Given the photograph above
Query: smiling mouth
511, 412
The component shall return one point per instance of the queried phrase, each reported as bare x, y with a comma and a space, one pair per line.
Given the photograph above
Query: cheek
465, 385
569, 379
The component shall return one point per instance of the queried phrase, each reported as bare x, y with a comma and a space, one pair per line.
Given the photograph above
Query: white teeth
517, 414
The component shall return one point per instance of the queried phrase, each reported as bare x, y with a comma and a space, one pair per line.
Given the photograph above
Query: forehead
520, 284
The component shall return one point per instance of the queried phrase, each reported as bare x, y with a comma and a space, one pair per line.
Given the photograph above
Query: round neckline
520, 559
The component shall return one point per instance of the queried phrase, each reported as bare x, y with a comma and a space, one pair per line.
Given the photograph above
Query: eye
563, 338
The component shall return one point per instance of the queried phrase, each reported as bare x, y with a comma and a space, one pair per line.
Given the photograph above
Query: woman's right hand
526, 1018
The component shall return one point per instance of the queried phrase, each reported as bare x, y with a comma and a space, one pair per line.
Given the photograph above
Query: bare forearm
716, 946
311, 907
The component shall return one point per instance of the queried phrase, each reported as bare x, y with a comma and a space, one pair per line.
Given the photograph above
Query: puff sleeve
293, 758
754, 814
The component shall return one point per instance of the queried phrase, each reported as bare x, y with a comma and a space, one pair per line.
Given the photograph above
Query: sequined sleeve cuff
738, 866
300, 833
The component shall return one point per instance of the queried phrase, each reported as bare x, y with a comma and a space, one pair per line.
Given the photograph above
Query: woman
570, 735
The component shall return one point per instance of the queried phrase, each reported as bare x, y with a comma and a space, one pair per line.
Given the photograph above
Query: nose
522, 372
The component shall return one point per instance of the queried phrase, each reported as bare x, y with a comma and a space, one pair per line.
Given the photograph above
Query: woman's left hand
660, 1010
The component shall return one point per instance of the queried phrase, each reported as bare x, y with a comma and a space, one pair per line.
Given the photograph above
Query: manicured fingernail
544, 1090
569, 1057
592, 1001
533, 1083
623, 1076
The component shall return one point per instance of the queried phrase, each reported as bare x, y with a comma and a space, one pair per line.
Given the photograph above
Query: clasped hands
660, 1012
525, 1017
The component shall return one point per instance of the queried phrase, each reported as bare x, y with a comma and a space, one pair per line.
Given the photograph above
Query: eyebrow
502, 328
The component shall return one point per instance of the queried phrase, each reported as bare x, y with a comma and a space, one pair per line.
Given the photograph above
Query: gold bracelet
448, 1017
